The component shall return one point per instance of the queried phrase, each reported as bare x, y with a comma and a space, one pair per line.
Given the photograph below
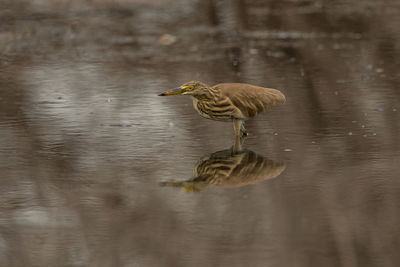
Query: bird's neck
203, 97
207, 95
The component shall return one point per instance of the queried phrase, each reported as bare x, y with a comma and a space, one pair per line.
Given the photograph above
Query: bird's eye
189, 88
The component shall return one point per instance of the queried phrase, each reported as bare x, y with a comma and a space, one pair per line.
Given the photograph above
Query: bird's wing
250, 99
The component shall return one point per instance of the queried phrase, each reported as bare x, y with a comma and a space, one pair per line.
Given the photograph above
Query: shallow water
87, 145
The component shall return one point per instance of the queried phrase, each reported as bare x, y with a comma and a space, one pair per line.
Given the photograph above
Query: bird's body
235, 102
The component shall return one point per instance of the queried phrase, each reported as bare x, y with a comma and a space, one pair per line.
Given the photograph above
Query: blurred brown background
85, 141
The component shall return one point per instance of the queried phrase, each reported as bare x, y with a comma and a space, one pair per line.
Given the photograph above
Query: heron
235, 102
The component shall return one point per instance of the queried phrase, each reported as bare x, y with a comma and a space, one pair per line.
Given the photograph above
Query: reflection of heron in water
228, 169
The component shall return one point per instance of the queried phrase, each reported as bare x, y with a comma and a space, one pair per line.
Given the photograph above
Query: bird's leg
237, 127
237, 146
243, 130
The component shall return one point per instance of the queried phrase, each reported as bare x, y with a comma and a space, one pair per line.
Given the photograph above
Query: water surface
86, 142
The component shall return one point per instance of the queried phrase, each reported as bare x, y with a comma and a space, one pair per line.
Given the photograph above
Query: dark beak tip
162, 94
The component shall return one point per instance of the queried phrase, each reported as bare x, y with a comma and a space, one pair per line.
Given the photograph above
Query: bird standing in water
235, 102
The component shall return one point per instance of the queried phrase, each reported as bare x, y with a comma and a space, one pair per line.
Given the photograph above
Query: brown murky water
86, 142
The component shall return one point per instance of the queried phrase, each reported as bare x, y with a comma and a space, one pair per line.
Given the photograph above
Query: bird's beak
177, 91
185, 186
188, 188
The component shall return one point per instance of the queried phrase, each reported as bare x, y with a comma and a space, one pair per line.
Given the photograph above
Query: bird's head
193, 88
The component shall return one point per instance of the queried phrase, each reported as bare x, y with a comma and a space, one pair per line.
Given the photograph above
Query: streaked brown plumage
228, 169
235, 102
